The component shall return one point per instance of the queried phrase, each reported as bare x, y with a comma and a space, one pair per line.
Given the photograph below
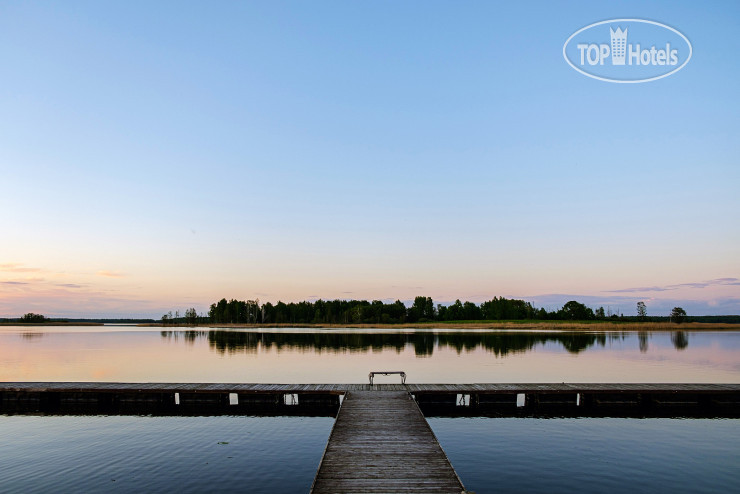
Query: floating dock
381, 442
488, 399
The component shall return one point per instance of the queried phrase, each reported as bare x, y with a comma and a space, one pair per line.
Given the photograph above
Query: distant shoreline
50, 323
540, 325
457, 326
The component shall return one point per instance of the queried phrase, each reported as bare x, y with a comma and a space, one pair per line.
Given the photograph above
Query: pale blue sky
158, 155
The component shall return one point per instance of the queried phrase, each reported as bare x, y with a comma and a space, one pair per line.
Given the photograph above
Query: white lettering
582, 47
604, 53
645, 57
634, 54
674, 57
653, 53
595, 50
660, 57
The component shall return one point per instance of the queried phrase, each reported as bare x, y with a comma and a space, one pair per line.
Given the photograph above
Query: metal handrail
387, 373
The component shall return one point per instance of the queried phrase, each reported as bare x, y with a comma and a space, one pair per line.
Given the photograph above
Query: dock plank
382, 443
343, 388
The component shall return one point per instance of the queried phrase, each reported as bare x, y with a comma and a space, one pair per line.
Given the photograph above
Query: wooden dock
485, 388
489, 399
381, 442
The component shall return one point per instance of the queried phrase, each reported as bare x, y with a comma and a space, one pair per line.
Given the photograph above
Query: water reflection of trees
680, 339
423, 343
188, 336
30, 335
642, 337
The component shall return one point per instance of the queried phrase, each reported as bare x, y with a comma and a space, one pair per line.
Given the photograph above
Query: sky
156, 156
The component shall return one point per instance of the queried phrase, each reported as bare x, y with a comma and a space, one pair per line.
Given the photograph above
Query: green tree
423, 309
191, 316
576, 311
442, 312
471, 312
33, 318
500, 308
455, 311
678, 315
641, 310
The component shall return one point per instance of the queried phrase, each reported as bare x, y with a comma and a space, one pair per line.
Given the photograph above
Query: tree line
423, 309
31, 317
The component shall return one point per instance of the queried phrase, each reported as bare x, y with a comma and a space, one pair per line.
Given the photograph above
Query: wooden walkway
382, 443
499, 399
342, 388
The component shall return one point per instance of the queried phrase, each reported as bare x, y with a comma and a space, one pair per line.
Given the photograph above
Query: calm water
107, 354
281, 454
160, 454
509, 455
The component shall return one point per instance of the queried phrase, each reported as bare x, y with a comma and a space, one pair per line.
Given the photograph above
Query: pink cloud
15, 267
111, 274
701, 284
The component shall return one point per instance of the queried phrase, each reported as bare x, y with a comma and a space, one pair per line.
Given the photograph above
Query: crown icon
619, 45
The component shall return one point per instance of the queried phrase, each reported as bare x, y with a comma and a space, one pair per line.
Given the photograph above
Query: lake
134, 354
281, 454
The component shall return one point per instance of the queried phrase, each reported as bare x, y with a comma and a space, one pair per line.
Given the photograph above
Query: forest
422, 310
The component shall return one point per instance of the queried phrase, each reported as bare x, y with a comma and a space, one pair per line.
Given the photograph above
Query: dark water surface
160, 454
614, 455
281, 454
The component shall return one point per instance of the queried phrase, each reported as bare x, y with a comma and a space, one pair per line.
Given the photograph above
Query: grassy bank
529, 325
50, 323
